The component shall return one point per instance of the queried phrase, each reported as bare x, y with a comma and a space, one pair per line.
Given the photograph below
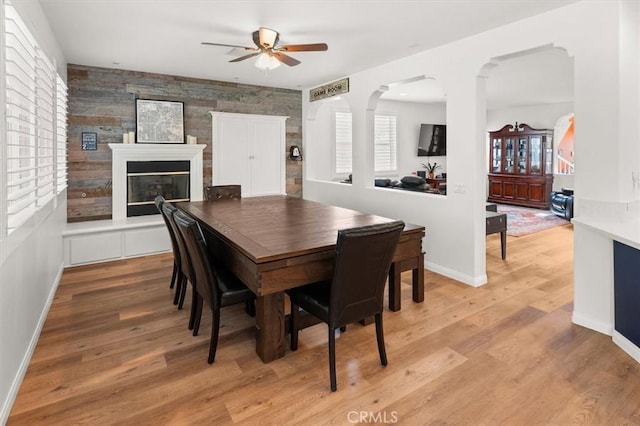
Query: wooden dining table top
277, 227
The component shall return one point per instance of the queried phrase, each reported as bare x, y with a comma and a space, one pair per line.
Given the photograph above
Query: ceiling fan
272, 54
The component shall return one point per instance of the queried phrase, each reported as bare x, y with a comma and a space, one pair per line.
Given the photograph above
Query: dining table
277, 242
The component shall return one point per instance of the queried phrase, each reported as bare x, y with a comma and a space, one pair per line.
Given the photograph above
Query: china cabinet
521, 166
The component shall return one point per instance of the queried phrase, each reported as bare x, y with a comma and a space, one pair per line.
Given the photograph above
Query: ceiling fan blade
313, 47
228, 45
285, 59
242, 58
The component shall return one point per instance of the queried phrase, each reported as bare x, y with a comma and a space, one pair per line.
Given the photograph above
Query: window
385, 157
45, 95
564, 145
20, 68
35, 111
385, 143
343, 143
61, 135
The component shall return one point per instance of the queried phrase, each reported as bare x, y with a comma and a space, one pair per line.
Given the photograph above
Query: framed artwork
89, 141
159, 121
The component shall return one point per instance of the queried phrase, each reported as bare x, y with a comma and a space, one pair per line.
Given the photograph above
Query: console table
497, 222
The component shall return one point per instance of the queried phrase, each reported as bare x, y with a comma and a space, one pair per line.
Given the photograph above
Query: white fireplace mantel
151, 152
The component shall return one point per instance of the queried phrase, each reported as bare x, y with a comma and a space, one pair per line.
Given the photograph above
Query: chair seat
314, 297
232, 289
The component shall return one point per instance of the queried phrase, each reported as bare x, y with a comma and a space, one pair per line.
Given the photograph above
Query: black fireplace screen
148, 179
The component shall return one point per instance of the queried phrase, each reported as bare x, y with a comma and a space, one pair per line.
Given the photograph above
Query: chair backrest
168, 211
219, 192
205, 279
159, 201
363, 259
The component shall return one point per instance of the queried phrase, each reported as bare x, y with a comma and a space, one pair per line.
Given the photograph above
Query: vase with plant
431, 168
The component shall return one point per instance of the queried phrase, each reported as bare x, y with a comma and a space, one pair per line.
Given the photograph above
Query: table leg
418, 280
270, 333
503, 244
394, 286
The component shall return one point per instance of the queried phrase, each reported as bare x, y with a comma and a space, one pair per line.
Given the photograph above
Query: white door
249, 150
267, 158
231, 164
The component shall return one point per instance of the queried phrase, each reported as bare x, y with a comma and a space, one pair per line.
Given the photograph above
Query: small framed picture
89, 141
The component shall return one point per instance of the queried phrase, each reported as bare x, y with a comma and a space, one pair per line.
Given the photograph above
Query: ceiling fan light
273, 62
268, 37
266, 61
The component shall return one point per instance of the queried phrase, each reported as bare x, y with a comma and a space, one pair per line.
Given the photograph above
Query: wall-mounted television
433, 140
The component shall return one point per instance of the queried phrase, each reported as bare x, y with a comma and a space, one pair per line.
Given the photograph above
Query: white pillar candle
125, 138
132, 137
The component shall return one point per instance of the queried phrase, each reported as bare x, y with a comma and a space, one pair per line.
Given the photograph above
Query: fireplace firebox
148, 179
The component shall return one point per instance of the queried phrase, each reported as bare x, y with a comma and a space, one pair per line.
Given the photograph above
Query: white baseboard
24, 365
626, 345
455, 275
584, 321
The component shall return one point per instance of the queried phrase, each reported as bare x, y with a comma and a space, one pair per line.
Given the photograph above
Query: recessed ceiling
164, 36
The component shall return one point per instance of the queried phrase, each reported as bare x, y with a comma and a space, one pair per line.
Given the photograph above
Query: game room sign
336, 88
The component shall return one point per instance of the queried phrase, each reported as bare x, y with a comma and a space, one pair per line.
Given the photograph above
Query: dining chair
185, 271
217, 192
159, 201
214, 284
362, 260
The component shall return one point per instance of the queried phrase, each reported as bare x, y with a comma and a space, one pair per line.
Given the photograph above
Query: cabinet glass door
548, 159
535, 155
509, 156
522, 155
496, 155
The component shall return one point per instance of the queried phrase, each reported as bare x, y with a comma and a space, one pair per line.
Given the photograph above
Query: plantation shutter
35, 149
385, 143
45, 92
61, 135
343, 143
21, 121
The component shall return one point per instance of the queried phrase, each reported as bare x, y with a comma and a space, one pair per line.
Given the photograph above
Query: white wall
537, 116
409, 116
30, 276
615, 200
31, 258
34, 17
455, 224
322, 167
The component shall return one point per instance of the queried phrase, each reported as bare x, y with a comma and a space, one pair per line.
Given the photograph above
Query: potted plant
431, 168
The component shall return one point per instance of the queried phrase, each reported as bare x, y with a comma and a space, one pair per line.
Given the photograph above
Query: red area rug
523, 221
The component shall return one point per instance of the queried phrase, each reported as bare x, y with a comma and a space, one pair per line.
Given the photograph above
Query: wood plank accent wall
102, 100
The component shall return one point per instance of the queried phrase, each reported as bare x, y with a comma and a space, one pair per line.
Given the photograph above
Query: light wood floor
114, 350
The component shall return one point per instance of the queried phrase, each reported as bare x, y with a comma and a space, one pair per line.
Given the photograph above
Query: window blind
35, 109
21, 123
61, 135
343, 138
385, 144
45, 98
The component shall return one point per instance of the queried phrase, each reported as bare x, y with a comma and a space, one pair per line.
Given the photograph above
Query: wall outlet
459, 188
